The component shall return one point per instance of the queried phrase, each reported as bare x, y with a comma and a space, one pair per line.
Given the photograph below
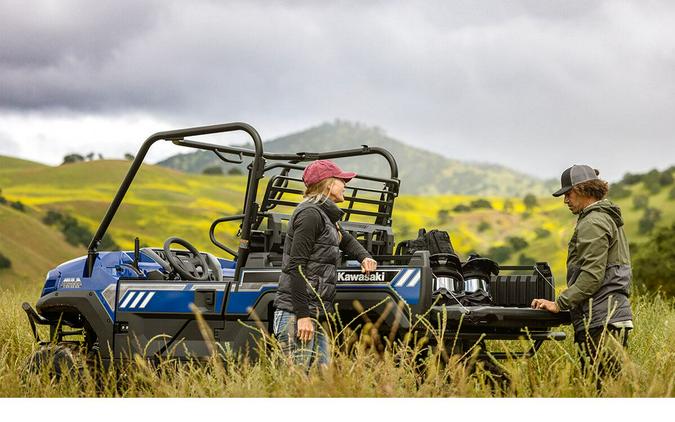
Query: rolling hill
422, 172
164, 202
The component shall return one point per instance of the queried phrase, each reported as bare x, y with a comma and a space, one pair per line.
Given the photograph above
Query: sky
533, 85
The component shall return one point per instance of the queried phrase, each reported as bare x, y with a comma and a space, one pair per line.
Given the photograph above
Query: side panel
156, 319
257, 288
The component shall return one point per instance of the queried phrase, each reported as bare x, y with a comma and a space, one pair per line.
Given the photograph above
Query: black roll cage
251, 214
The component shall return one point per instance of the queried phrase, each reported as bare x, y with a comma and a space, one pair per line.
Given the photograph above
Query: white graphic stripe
404, 278
138, 299
415, 279
127, 299
147, 299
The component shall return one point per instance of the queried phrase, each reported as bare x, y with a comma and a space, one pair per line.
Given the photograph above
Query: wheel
59, 359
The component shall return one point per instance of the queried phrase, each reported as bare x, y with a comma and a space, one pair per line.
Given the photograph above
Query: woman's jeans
303, 352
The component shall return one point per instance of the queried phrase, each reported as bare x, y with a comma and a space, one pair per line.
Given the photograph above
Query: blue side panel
138, 299
240, 302
406, 284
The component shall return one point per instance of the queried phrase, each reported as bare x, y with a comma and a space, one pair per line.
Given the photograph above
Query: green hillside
423, 172
164, 202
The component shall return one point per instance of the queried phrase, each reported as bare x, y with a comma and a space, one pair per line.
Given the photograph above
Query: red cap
323, 169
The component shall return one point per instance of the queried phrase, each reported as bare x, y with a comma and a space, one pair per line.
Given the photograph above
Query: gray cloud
532, 85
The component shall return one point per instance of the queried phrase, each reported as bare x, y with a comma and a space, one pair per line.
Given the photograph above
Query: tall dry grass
368, 367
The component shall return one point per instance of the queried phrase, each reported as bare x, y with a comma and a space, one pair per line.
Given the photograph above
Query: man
598, 271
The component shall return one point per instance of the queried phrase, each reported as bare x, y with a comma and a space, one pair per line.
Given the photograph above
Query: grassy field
167, 203
649, 368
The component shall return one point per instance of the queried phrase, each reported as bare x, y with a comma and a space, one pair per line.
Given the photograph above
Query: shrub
52, 217
631, 179
76, 234
213, 170
5, 262
640, 201
671, 194
666, 178
651, 181
654, 262
481, 203
18, 206
618, 191
541, 233
649, 220
517, 243
499, 253
461, 208
530, 201
234, 171
525, 260
72, 158
484, 225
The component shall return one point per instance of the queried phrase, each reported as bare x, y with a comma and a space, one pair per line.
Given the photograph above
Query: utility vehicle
145, 301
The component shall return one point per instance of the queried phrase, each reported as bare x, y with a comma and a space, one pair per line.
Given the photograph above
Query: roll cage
283, 191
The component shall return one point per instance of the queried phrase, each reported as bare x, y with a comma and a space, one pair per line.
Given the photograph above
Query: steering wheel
187, 270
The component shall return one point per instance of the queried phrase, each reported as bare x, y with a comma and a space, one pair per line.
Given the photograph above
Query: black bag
439, 242
435, 241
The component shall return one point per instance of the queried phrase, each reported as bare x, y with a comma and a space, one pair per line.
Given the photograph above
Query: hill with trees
421, 171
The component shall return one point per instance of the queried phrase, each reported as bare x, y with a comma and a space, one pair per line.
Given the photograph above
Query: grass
371, 367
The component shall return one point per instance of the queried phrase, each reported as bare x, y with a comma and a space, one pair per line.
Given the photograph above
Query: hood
606, 206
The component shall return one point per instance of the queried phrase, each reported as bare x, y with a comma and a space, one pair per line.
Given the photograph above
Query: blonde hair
318, 192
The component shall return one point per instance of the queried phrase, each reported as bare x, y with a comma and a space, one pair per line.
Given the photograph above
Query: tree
18, 205
461, 208
213, 171
666, 178
52, 217
234, 171
651, 181
618, 191
654, 262
481, 203
100, 156
631, 179
530, 201
640, 201
128, 156
649, 220
72, 158
90, 156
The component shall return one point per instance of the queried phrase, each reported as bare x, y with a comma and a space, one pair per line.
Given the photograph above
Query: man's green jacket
598, 269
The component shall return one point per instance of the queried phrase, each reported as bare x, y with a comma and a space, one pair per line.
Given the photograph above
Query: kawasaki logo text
360, 277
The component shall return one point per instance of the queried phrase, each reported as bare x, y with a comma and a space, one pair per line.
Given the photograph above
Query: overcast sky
533, 85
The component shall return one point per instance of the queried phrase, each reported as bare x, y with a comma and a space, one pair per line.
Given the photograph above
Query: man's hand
546, 305
368, 265
305, 329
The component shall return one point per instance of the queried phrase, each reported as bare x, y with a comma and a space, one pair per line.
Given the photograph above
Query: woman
309, 266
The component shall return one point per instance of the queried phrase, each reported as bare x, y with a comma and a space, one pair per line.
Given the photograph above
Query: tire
59, 359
